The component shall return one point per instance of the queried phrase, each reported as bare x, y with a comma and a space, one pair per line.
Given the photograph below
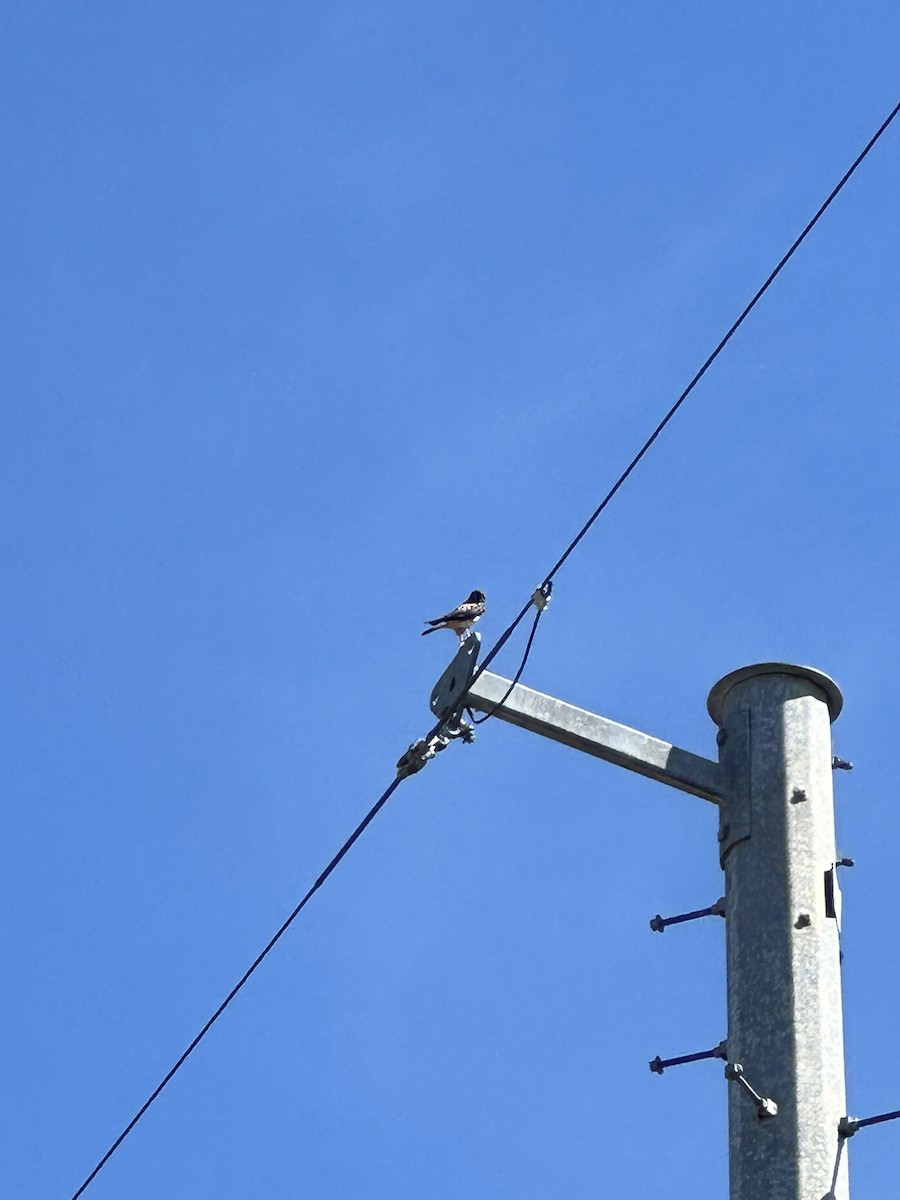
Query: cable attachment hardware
456, 727
849, 1125
450, 690
841, 764
658, 924
415, 758
658, 1065
541, 596
423, 751
765, 1107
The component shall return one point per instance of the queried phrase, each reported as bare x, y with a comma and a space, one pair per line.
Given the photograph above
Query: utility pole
773, 785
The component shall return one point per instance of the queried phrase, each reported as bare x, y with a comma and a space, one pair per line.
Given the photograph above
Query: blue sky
317, 317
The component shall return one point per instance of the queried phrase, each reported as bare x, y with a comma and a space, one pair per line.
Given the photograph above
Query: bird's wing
447, 617
460, 613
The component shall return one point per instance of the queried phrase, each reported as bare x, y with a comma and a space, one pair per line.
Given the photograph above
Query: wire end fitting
541, 596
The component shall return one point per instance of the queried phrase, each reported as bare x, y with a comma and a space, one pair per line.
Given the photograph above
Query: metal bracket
450, 690
833, 902
765, 1107
841, 764
658, 1065
658, 924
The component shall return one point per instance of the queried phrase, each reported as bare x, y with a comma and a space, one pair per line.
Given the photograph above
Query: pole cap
833, 696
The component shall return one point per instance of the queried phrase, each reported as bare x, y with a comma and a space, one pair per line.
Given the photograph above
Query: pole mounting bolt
849, 1125
658, 1065
841, 764
658, 924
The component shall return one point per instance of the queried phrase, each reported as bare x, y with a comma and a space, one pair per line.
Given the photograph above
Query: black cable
725, 340
370, 815
506, 695
504, 637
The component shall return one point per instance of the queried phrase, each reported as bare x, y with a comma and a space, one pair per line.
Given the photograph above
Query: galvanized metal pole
773, 786
782, 906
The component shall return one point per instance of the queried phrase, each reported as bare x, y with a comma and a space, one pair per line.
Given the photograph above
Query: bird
460, 619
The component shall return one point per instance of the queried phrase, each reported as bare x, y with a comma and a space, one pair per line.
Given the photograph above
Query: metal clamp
658, 1065
423, 751
541, 596
841, 764
658, 924
765, 1107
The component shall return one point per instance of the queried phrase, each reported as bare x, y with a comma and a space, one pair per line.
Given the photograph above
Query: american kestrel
461, 619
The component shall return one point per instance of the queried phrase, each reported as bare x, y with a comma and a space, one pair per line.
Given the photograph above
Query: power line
795, 245
498, 645
367, 819
518, 675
